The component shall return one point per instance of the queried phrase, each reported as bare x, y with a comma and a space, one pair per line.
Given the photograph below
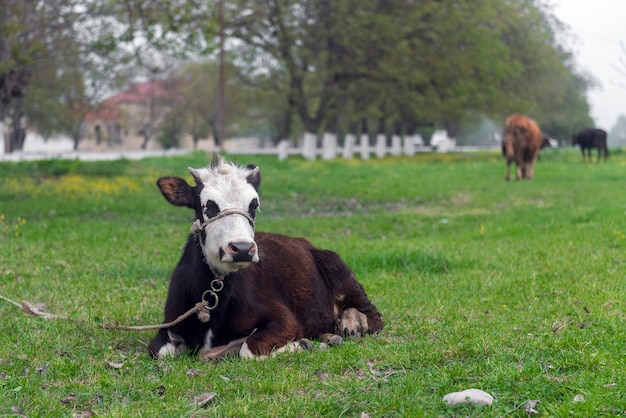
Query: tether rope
31, 309
201, 308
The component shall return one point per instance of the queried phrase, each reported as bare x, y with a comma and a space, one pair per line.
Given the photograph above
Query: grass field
514, 288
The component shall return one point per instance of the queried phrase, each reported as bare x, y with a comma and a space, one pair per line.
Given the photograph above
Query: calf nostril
242, 247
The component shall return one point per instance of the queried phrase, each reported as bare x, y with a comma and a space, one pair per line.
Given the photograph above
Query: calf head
225, 200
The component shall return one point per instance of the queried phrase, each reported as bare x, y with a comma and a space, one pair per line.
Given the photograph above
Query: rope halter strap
217, 284
198, 226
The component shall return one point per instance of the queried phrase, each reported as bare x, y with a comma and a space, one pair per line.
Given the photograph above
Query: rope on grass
33, 309
200, 308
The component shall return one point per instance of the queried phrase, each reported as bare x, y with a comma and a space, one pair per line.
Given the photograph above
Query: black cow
591, 138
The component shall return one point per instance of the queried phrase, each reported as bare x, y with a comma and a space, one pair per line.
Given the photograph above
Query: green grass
514, 288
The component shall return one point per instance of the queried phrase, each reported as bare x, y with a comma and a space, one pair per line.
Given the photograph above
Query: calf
545, 143
522, 142
591, 138
263, 291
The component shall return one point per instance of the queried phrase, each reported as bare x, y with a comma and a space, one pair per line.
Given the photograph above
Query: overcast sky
598, 26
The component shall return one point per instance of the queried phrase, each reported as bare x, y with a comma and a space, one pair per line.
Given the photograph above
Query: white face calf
225, 200
228, 204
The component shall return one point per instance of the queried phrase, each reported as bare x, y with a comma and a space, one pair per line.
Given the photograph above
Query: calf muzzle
242, 251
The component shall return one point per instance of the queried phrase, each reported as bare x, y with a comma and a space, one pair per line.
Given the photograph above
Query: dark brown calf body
296, 290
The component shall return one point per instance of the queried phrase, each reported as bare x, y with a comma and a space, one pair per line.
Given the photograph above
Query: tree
548, 87
200, 111
617, 136
102, 34
388, 62
313, 65
60, 96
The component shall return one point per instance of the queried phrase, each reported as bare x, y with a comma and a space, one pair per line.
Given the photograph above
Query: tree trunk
451, 129
98, 131
13, 85
76, 134
215, 130
18, 133
146, 138
282, 124
397, 128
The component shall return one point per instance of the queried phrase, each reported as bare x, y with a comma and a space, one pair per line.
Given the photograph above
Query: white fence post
349, 144
309, 146
409, 145
381, 145
365, 146
396, 145
329, 146
283, 149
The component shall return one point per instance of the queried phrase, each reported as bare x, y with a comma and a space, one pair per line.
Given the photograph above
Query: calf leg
530, 167
353, 311
520, 170
279, 333
507, 175
355, 314
166, 343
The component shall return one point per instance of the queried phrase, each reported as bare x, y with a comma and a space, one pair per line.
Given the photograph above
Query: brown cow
259, 292
522, 142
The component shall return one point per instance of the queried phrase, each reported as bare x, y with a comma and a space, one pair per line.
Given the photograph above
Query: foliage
247, 109
410, 63
41, 170
347, 65
548, 87
79, 46
514, 288
617, 135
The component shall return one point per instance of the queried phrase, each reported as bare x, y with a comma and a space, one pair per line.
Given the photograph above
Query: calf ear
177, 191
254, 176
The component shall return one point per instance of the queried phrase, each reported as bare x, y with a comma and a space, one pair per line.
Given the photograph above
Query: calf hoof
352, 323
219, 352
306, 344
331, 339
303, 344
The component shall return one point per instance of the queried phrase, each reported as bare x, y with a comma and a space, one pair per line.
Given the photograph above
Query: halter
198, 226
217, 283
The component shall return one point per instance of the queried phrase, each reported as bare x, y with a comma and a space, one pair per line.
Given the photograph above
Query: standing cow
591, 138
522, 142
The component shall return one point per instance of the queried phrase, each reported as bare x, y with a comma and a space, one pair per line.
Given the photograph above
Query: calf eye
211, 209
254, 205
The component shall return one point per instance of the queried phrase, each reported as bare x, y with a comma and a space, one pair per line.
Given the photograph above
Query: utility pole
221, 82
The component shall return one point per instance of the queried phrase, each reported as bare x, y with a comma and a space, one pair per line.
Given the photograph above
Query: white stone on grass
469, 396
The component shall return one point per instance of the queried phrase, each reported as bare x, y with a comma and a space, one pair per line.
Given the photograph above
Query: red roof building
124, 117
